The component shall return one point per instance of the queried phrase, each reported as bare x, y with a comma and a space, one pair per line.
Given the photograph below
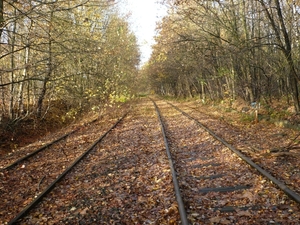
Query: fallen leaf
215, 219
248, 195
243, 213
83, 212
225, 221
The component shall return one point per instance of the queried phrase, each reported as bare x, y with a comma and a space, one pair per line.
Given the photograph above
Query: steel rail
42, 148
180, 203
62, 175
292, 194
38, 150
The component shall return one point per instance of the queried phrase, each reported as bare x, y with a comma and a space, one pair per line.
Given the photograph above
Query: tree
233, 48
1, 18
46, 52
284, 42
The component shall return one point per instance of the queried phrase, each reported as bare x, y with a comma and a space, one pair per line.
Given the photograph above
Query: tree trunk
49, 71
21, 87
295, 92
12, 79
286, 47
1, 18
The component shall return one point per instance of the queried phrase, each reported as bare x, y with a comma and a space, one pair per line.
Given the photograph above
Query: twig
286, 154
64, 152
62, 149
290, 144
40, 182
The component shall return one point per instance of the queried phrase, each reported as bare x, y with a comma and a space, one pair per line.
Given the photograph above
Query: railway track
113, 184
218, 184
29, 178
31, 154
129, 179
52, 185
13, 159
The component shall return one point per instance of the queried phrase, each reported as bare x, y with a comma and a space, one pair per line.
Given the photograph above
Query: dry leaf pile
21, 184
126, 179
202, 163
254, 140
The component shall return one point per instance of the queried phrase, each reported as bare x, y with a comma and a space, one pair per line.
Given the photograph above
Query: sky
143, 17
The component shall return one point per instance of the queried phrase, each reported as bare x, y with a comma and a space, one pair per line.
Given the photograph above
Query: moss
247, 118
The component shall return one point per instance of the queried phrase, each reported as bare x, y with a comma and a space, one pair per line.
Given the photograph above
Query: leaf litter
126, 179
202, 163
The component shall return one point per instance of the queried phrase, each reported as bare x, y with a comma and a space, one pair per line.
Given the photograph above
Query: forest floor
57, 120
30, 129
272, 146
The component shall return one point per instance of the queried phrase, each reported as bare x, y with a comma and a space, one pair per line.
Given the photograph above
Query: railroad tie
225, 189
